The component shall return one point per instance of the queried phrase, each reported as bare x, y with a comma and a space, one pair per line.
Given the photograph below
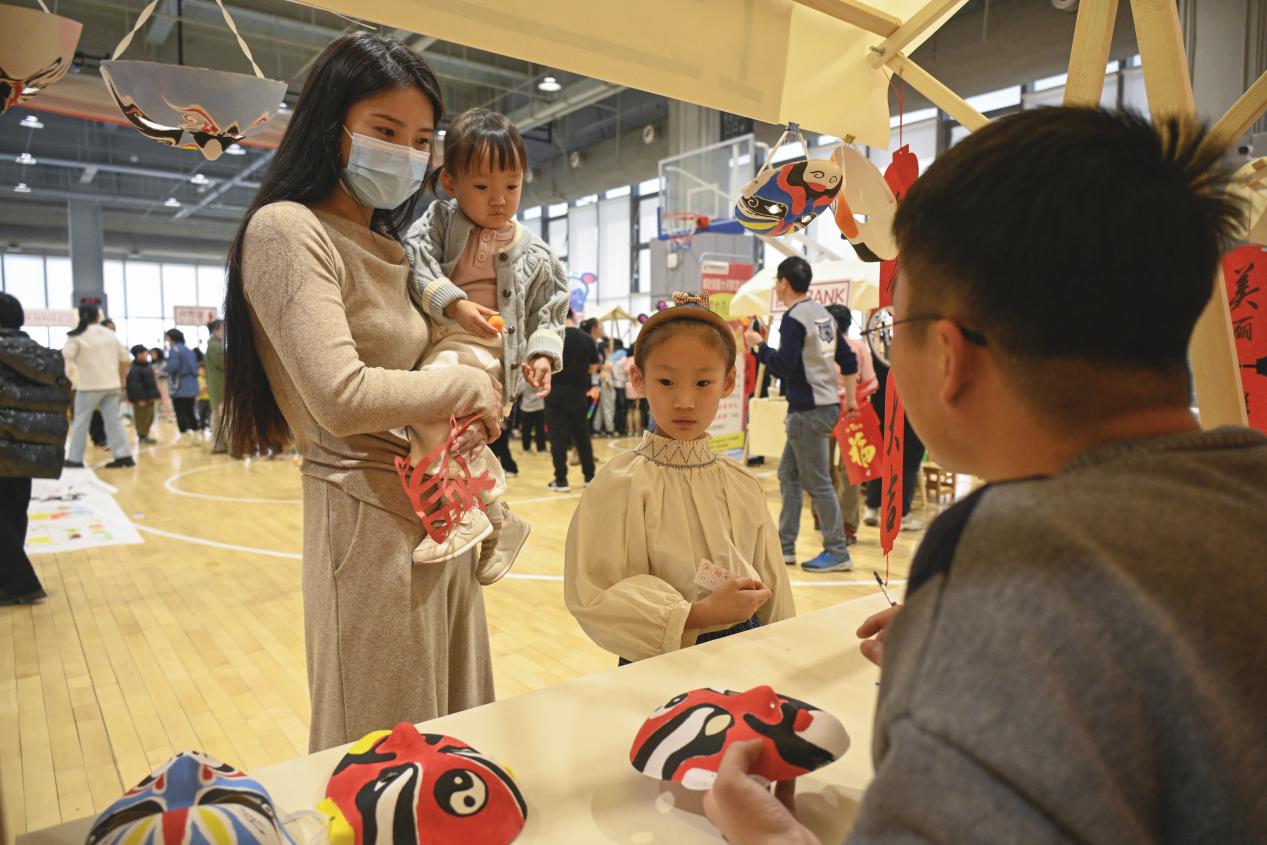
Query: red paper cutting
1245, 272
442, 500
894, 437
858, 435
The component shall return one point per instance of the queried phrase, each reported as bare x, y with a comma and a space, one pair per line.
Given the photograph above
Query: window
644, 270
60, 283
533, 225
649, 186
994, 100
180, 287
583, 242
24, 278
144, 283
533, 213
558, 237
116, 299
648, 219
613, 248
623, 191
211, 285
558, 209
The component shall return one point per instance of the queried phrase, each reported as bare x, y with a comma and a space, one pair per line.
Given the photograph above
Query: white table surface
568, 745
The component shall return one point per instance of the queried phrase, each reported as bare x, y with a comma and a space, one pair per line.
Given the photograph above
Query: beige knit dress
339, 339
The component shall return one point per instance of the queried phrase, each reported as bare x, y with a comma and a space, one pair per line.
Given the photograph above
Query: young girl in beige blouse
662, 524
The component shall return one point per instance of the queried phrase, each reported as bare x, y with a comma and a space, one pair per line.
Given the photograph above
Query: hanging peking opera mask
191, 107
684, 740
788, 197
407, 788
37, 52
192, 798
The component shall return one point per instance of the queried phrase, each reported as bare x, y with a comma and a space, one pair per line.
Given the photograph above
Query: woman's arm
292, 285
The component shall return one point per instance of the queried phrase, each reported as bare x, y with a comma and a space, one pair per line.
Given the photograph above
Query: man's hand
729, 604
538, 371
873, 631
472, 317
744, 811
751, 338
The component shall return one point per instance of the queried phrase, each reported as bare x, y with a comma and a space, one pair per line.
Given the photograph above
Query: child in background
498, 298
673, 545
143, 393
532, 418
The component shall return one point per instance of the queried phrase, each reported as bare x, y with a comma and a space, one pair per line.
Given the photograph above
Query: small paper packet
710, 576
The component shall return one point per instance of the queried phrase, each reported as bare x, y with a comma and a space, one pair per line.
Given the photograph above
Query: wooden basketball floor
194, 640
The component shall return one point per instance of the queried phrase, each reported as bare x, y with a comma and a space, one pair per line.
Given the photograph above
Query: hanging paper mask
788, 197
190, 799
685, 739
37, 53
407, 788
868, 195
191, 107
1249, 186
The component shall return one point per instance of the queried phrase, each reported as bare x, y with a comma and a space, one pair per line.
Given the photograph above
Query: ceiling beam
857, 13
126, 170
928, 16
573, 98
224, 187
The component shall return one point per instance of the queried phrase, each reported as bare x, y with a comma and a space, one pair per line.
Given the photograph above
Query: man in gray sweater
1082, 656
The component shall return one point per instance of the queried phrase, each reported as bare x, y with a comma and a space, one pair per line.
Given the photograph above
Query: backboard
706, 182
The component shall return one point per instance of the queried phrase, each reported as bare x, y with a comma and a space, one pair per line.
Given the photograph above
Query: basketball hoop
680, 228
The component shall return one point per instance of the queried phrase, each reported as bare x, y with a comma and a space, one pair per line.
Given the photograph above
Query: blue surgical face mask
381, 174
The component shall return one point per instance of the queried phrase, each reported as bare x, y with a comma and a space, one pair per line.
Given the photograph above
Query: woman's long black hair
88, 314
306, 169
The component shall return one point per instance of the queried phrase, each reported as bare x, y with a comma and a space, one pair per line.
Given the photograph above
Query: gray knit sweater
532, 286
1083, 658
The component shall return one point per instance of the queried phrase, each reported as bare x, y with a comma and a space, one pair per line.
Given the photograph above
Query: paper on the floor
76, 512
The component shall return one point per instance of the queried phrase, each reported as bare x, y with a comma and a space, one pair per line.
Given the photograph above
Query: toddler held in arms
497, 297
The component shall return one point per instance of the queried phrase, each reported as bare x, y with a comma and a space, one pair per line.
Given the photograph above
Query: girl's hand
730, 604
538, 371
472, 317
476, 437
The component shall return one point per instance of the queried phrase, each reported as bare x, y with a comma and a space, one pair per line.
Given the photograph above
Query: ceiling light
550, 85
235, 150
283, 107
22, 188
199, 179
171, 202
26, 158
31, 122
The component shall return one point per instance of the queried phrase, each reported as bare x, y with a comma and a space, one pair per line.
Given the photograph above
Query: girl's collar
681, 454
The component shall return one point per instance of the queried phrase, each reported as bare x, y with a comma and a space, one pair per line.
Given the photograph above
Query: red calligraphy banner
891, 471
1245, 272
858, 435
900, 175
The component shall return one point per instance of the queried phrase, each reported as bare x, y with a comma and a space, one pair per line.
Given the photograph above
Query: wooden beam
1241, 116
857, 13
1169, 87
941, 96
915, 26
1092, 40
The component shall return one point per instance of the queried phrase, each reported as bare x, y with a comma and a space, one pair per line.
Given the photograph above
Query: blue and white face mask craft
788, 197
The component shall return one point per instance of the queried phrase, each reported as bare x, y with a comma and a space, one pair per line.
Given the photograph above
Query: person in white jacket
99, 364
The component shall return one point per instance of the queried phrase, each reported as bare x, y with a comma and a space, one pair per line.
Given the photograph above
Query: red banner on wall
891, 472
1245, 272
859, 438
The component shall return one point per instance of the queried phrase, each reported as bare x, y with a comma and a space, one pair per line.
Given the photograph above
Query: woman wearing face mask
323, 345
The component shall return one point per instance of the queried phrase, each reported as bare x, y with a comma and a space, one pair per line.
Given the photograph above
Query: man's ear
957, 360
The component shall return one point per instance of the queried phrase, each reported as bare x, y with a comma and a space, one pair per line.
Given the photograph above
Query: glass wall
141, 295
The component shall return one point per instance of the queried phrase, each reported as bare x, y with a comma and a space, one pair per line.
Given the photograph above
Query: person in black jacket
34, 396
142, 392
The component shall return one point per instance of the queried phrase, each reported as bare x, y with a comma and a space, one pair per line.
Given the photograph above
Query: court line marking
170, 486
516, 576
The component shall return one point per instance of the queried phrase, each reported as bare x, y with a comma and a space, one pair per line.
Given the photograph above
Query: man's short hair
1074, 235
215, 324
797, 272
588, 325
